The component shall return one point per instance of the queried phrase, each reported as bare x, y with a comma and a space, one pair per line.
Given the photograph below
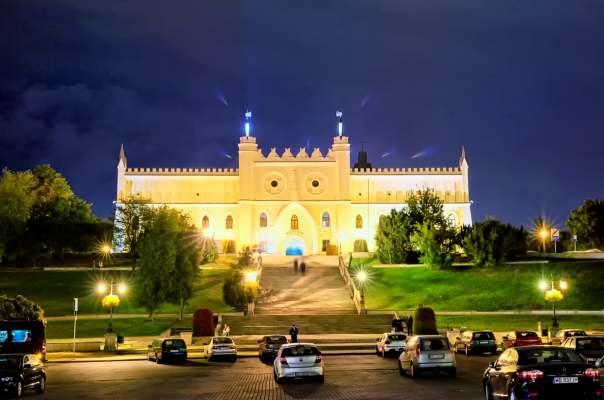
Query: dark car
591, 348
19, 372
167, 349
476, 342
541, 372
269, 346
23, 337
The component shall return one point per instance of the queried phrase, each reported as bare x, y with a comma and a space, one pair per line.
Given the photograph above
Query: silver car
390, 343
221, 346
427, 353
298, 360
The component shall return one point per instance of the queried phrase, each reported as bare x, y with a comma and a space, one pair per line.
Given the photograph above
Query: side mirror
26, 366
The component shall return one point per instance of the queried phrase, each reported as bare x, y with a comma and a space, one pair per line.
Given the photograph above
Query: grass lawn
55, 290
97, 328
510, 287
508, 323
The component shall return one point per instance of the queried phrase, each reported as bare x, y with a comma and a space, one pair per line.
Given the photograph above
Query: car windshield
223, 340
483, 336
9, 362
276, 339
434, 344
590, 344
574, 333
525, 335
397, 337
548, 356
299, 351
177, 343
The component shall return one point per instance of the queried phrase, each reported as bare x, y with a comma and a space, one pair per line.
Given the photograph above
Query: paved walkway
320, 290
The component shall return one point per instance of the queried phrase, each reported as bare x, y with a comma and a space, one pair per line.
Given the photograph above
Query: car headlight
6, 379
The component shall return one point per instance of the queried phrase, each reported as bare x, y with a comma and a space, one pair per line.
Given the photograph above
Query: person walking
293, 332
226, 330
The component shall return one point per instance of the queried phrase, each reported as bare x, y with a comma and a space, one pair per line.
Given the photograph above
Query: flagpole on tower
248, 121
340, 123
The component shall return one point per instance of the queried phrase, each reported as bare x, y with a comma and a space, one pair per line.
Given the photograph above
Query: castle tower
122, 165
464, 167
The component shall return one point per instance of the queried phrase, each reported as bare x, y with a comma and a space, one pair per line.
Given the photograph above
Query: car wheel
487, 392
453, 372
321, 379
234, 358
157, 359
19, 389
401, 370
41, 385
277, 379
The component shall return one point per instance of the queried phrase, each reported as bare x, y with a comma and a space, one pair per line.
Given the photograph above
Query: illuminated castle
296, 202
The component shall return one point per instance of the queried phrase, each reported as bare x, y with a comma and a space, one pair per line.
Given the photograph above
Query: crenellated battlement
301, 155
407, 171
183, 171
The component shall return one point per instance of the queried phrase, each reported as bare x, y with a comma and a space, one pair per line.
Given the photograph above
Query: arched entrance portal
294, 246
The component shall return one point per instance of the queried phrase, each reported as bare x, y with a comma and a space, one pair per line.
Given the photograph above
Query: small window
205, 222
359, 222
294, 223
263, 220
325, 219
229, 222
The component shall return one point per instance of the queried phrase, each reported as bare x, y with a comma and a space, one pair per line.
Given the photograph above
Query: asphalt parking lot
347, 377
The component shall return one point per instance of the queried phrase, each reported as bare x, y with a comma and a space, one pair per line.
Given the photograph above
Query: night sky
519, 83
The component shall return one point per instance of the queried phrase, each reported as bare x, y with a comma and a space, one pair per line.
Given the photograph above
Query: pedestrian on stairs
293, 332
295, 264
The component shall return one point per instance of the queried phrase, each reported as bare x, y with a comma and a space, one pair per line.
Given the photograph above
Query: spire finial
339, 116
463, 159
123, 158
248, 122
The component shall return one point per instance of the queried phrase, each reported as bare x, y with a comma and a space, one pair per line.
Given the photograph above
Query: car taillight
592, 373
530, 375
318, 359
283, 361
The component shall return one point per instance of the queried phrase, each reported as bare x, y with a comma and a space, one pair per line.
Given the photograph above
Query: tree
587, 222
158, 249
426, 207
393, 238
20, 308
130, 218
491, 243
435, 244
16, 202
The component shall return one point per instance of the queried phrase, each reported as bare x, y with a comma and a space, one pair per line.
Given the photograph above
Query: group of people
299, 264
293, 332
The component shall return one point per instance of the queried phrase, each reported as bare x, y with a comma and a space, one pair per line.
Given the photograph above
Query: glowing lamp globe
110, 301
553, 295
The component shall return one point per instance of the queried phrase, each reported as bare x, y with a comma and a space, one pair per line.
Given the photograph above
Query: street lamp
543, 234
111, 300
341, 237
362, 277
553, 294
250, 282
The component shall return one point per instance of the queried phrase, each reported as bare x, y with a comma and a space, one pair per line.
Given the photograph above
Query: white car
221, 346
390, 343
298, 360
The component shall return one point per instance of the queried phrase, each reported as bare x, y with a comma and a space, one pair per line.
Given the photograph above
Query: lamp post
553, 294
341, 238
111, 300
362, 280
543, 233
250, 282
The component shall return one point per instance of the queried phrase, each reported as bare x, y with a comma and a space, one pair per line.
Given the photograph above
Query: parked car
566, 333
221, 347
540, 372
390, 343
520, 338
19, 372
297, 361
591, 348
427, 353
476, 342
23, 337
269, 346
167, 349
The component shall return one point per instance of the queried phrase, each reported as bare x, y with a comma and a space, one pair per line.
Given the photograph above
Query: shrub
245, 257
20, 308
232, 290
424, 321
229, 247
203, 322
360, 245
491, 242
209, 252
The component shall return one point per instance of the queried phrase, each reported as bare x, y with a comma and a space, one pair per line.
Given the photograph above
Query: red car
520, 338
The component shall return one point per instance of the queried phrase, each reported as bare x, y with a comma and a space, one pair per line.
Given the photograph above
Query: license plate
565, 379
436, 356
174, 351
484, 342
301, 374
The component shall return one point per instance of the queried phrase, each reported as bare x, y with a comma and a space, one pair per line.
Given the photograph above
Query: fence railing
354, 292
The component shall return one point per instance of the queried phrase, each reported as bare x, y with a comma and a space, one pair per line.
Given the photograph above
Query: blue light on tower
340, 123
248, 120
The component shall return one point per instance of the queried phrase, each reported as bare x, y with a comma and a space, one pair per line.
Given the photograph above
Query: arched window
325, 219
358, 221
205, 222
263, 220
229, 222
294, 223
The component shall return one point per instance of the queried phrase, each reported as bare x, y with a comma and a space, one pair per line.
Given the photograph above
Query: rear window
548, 356
9, 362
397, 337
574, 333
526, 334
3, 336
223, 340
174, 343
300, 351
434, 344
276, 339
590, 344
483, 336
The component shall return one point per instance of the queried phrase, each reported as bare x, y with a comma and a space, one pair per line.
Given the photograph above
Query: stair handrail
355, 293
